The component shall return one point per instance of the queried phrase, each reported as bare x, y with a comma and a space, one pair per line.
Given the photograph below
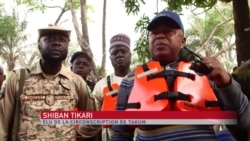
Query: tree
12, 37
242, 23
205, 35
102, 69
84, 42
142, 43
81, 31
29, 57
241, 18
82, 37
211, 34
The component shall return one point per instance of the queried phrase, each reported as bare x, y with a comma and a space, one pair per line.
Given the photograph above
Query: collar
37, 69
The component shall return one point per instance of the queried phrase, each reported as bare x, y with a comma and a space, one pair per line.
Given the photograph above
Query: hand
218, 74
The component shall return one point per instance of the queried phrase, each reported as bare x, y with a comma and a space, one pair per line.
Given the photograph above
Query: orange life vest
142, 96
109, 97
151, 91
202, 95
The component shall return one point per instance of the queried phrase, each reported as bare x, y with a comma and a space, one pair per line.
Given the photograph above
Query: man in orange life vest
106, 89
166, 40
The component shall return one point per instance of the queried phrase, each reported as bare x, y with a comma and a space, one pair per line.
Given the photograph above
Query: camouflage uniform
41, 92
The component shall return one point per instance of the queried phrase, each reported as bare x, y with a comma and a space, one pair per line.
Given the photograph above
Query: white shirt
98, 94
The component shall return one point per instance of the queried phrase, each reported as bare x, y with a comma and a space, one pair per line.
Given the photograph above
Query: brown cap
52, 29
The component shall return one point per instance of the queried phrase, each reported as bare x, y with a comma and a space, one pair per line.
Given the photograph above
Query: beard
50, 58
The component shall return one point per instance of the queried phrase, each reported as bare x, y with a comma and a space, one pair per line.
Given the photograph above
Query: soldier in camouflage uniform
50, 86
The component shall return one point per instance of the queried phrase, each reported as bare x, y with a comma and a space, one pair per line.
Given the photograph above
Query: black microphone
197, 65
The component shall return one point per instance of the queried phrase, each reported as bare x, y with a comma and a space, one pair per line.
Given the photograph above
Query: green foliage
32, 4
76, 4
11, 37
1, 8
90, 8
197, 35
141, 45
39, 4
176, 5
11, 29
212, 32
203, 26
133, 6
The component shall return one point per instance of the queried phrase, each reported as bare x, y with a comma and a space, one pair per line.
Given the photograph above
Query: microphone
197, 65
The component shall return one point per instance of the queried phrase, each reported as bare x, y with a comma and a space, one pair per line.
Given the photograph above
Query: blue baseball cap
166, 15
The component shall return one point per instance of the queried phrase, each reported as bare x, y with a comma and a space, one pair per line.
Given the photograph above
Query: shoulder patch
89, 92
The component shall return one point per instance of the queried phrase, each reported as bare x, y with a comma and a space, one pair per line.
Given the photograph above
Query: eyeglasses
166, 32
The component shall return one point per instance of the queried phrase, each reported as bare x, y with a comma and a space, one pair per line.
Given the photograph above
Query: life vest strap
145, 67
171, 72
172, 96
109, 83
112, 93
136, 105
212, 104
